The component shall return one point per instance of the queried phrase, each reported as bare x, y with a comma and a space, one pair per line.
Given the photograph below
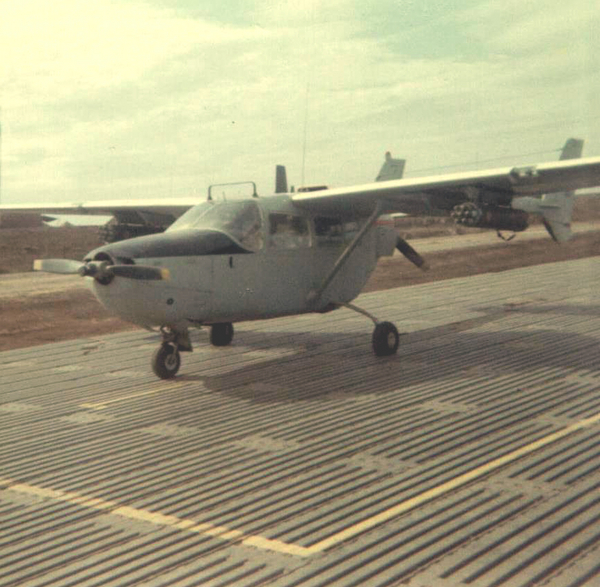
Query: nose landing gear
166, 361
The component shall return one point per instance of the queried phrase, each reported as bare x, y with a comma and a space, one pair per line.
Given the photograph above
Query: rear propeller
102, 271
412, 255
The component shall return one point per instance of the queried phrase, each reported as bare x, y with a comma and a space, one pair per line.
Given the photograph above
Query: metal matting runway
296, 457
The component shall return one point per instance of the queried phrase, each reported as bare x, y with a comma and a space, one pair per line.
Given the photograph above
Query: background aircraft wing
118, 219
438, 195
174, 207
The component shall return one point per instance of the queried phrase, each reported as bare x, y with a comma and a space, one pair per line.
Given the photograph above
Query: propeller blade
64, 266
143, 272
411, 254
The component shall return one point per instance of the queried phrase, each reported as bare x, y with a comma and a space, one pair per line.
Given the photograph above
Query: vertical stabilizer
572, 149
391, 168
281, 186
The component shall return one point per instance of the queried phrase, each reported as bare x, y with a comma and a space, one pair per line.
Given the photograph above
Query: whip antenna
305, 131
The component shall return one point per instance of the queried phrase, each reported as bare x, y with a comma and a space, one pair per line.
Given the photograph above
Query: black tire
385, 339
221, 334
166, 361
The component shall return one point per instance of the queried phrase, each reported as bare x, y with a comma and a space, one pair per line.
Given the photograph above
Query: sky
135, 99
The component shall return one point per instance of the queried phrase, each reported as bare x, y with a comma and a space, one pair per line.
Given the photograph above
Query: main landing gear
385, 336
221, 334
385, 339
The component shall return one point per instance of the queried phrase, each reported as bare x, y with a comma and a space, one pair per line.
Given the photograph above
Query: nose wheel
166, 361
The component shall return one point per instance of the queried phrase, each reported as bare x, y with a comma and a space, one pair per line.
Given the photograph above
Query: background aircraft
151, 216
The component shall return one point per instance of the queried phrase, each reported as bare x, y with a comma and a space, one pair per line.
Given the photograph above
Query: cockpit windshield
240, 220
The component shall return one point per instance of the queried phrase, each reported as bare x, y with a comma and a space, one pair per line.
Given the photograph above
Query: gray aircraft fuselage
242, 260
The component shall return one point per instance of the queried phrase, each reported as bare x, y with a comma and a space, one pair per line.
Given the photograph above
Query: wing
438, 195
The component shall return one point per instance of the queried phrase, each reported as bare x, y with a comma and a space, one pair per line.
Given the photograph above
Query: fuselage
241, 260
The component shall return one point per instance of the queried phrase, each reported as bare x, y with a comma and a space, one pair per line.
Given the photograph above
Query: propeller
103, 271
412, 255
64, 266
143, 272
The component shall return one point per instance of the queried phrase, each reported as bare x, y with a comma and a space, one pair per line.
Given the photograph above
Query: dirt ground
40, 315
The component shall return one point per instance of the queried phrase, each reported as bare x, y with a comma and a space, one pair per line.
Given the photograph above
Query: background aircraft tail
281, 184
555, 209
391, 168
572, 149
387, 235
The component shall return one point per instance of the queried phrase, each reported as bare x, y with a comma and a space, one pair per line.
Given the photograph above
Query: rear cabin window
332, 231
287, 231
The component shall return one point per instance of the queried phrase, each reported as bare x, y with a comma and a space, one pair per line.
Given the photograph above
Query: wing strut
315, 295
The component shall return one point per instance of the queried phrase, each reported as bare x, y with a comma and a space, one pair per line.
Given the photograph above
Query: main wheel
166, 361
385, 339
221, 334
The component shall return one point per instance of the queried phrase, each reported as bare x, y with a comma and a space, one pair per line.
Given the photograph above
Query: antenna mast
305, 131
0, 154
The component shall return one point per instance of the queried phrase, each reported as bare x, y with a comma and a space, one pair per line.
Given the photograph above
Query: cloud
131, 99
510, 26
55, 50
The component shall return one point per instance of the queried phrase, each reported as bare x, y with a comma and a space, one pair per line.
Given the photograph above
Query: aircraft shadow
323, 364
591, 310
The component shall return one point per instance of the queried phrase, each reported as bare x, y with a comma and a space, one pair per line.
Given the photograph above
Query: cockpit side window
331, 231
247, 227
287, 231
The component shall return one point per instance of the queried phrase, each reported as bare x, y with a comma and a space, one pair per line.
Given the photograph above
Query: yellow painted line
104, 404
263, 543
66, 496
159, 519
277, 546
434, 492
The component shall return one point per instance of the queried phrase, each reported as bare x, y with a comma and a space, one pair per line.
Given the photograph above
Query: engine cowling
496, 217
